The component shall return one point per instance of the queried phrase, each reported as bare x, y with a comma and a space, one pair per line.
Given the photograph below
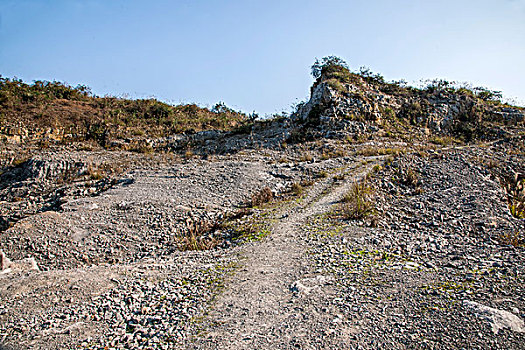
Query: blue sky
256, 55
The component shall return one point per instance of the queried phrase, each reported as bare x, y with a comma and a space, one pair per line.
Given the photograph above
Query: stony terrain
111, 274
312, 232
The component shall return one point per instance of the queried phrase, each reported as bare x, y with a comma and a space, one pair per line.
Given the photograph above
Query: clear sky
256, 55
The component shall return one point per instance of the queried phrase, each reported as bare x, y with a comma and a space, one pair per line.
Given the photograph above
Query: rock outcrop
338, 101
26, 264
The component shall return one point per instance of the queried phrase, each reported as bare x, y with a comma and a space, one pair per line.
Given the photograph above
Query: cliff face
350, 97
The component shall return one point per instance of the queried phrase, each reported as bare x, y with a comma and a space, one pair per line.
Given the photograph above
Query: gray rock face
331, 103
498, 319
438, 111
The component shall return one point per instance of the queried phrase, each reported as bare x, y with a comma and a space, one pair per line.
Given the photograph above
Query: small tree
370, 76
326, 63
488, 95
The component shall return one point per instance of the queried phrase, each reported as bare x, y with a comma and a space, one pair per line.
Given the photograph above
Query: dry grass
265, 195
322, 174
442, 140
199, 235
514, 188
307, 157
333, 153
486, 162
407, 176
358, 202
379, 151
515, 239
95, 173
189, 154
297, 189
339, 177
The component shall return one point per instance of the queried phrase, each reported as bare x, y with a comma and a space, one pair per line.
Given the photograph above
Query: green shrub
488, 95
371, 77
329, 65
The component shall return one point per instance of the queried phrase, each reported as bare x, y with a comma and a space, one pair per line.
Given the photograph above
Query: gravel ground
433, 268
409, 282
144, 214
152, 304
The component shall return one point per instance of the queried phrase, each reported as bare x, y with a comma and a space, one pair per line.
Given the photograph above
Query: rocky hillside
339, 96
375, 216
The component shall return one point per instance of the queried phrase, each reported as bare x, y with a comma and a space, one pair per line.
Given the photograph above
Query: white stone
7, 266
498, 319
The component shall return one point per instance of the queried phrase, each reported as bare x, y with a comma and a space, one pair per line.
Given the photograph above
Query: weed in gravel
263, 196
514, 188
376, 168
306, 183
307, 157
515, 239
447, 289
378, 151
339, 177
252, 228
442, 140
144, 149
322, 174
189, 154
94, 172
333, 153
517, 210
297, 189
358, 202
194, 242
485, 162
199, 235
406, 176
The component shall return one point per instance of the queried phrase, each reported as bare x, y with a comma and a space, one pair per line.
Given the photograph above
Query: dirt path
274, 301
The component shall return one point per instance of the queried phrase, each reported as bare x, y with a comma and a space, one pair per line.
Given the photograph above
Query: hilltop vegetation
64, 112
439, 106
335, 70
58, 112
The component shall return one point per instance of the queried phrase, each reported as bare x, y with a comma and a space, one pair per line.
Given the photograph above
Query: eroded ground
293, 273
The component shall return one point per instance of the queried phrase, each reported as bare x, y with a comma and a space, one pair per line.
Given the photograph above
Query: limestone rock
6, 265
498, 319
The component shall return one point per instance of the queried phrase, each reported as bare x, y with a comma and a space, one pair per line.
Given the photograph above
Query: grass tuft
358, 203
199, 235
263, 196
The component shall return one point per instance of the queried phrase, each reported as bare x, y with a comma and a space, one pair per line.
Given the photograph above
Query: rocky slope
361, 221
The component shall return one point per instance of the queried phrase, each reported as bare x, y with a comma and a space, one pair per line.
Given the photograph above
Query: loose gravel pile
154, 304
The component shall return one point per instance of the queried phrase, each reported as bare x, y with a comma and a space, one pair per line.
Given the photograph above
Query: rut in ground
276, 299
